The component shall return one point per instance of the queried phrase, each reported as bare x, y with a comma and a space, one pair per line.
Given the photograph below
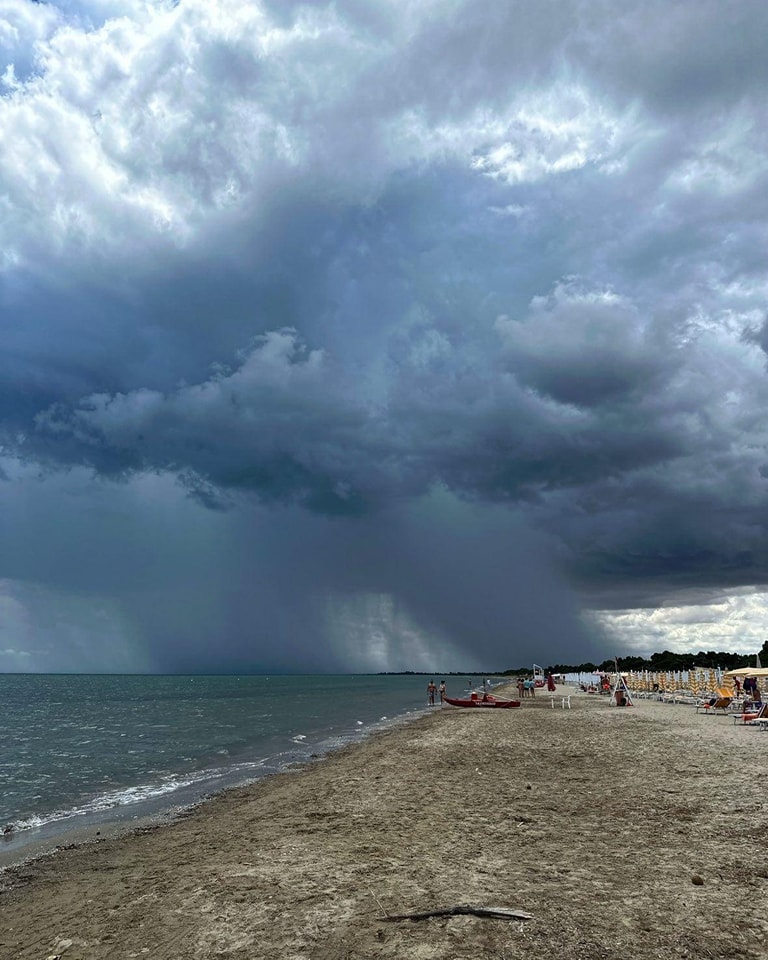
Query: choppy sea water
79, 750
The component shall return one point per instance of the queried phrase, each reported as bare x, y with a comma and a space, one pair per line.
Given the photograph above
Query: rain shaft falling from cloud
365, 334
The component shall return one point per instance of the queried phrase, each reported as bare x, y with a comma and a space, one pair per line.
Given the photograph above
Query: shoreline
28, 845
595, 820
145, 802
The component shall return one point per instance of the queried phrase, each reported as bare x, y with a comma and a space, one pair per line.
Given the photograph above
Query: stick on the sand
381, 905
495, 913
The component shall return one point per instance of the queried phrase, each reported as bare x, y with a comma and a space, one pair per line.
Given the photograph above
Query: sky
376, 335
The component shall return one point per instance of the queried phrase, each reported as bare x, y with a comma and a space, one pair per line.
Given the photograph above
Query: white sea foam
112, 799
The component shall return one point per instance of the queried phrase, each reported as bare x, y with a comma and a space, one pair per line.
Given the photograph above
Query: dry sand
637, 833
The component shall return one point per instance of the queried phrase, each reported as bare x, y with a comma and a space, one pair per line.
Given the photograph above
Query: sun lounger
713, 704
750, 717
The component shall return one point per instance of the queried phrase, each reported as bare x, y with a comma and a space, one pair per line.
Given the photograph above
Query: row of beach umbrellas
698, 682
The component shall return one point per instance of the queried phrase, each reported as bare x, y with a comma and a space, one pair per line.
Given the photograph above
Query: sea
83, 750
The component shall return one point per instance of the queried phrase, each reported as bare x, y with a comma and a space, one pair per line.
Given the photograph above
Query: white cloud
547, 134
736, 621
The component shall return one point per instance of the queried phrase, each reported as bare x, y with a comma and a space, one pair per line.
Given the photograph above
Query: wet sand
638, 832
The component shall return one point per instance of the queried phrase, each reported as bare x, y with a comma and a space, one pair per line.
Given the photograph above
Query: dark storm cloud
332, 262
679, 57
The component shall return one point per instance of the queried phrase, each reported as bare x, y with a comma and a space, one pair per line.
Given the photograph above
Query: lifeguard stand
621, 697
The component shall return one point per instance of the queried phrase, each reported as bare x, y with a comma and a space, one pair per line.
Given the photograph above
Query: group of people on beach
432, 690
526, 686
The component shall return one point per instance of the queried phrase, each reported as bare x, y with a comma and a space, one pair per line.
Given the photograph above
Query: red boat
485, 701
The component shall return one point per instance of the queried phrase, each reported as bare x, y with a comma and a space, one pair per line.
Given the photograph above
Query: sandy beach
638, 832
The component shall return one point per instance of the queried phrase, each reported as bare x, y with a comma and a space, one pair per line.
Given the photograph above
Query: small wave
112, 799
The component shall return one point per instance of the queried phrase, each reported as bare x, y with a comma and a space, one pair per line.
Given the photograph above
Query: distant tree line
666, 660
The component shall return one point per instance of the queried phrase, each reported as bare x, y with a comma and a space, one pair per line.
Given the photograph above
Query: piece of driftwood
494, 913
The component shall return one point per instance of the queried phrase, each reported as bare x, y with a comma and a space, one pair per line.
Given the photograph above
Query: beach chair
750, 718
713, 704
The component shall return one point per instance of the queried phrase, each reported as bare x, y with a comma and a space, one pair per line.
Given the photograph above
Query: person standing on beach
441, 690
431, 691
550, 683
520, 687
